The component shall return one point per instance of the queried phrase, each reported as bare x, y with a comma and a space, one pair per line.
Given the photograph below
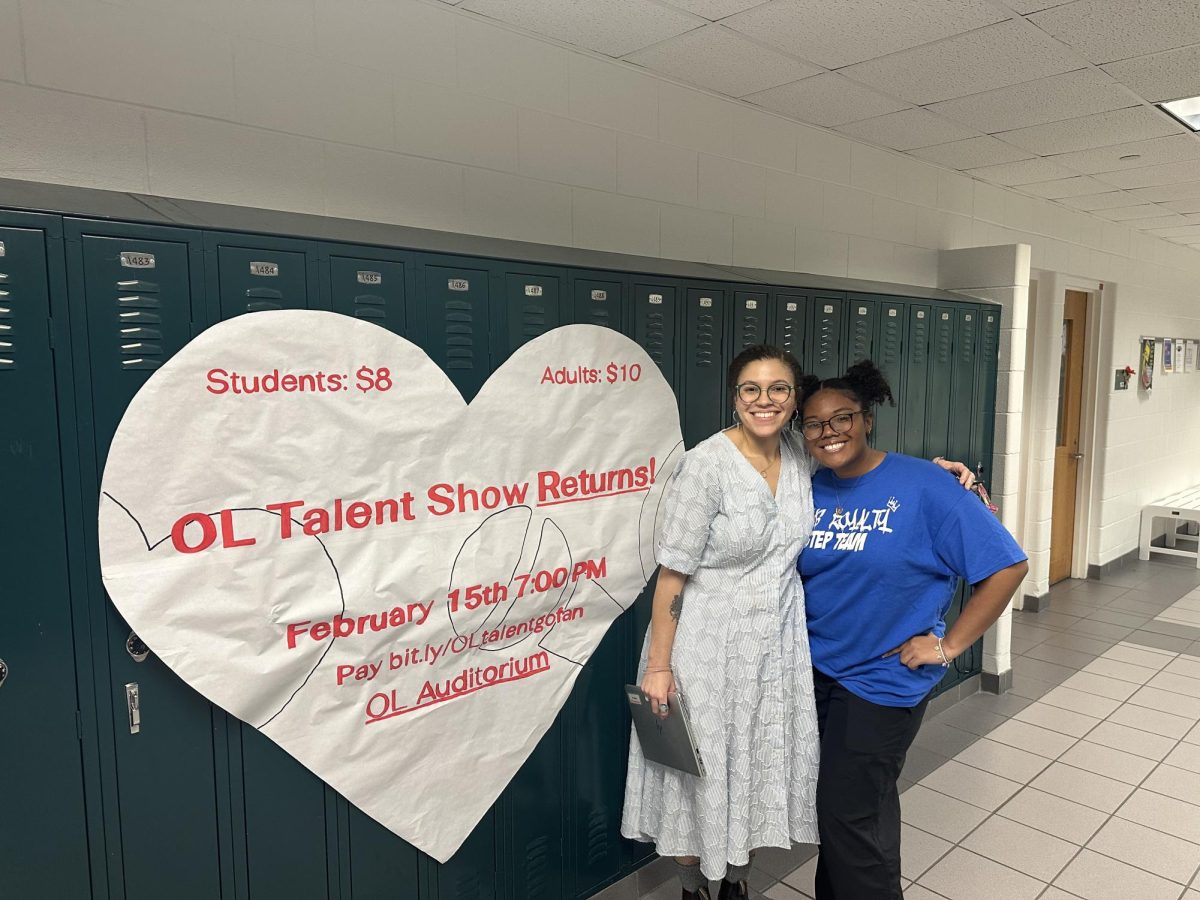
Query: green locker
987, 360
790, 326
889, 356
373, 290
43, 836
473, 873
655, 328
825, 335
916, 378
706, 408
962, 392
134, 299
531, 307
531, 813
858, 341
751, 323
270, 273
938, 401
597, 298
454, 320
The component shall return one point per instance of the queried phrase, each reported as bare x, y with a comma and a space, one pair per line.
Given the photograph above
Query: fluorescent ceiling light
1186, 111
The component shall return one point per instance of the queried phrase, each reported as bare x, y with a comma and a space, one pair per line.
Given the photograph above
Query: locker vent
826, 341
655, 336
597, 837
750, 332
704, 341
944, 342
263, 298
787, 335
861, 339
467, 887
919, 341
460, 335
966, 350
369, 306
890, 344
598, 314
533, 320
537, 867
8, 353
139, 317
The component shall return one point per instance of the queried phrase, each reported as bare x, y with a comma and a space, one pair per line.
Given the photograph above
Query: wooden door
1066, 445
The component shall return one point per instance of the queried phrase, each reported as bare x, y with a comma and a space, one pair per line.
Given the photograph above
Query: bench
1177, 509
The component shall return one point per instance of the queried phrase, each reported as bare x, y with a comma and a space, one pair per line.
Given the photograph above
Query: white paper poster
304, 520
1180, 357
1190, 357
1168, 355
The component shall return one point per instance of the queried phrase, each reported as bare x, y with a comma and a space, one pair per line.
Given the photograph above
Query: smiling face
847, 453
764, 417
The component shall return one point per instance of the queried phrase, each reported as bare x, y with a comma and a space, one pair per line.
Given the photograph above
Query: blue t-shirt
887, 568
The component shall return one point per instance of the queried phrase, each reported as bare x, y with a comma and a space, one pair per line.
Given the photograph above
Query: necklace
841, 509
770, 465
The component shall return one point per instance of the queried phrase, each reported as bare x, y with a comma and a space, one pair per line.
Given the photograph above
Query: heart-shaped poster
304, 520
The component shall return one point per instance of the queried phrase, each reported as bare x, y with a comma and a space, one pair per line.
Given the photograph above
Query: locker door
939, 402
916, 378
254, 279
531, 308
532, 811
706, 409
134, 301
790, 329
750, 319
43, 828
454, 321
471, 873
889, 356
966, 349
826, 335
860, 329
369, 289
598, 300
984, 428
655, 313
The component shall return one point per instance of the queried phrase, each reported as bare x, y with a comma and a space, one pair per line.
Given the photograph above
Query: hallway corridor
1081, 782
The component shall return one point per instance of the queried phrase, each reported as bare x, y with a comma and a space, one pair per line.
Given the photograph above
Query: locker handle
133, 703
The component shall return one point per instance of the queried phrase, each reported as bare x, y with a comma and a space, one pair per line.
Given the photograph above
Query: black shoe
733, 890
698, 894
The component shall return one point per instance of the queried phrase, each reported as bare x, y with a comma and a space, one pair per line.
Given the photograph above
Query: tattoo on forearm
676, 606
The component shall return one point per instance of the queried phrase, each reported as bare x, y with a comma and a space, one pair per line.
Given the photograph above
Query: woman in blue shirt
891, 538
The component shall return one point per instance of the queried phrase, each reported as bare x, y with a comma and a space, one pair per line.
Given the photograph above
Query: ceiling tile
1107, 200
827, 100
981, 60
1058, 188
721, 60
1170, 173
1024, 172
1124, 213
1078, 93
1190, 207
613, 27
714, 9
1178, 231
1176, 148
1137, 123
907, 130
1167, 221
835, 35
1108, 30
1180, 189
972, 153
1161, 76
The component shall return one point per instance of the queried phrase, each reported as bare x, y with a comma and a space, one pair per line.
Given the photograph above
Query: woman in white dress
728, 632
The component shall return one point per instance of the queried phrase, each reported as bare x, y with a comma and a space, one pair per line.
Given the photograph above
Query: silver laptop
667, 741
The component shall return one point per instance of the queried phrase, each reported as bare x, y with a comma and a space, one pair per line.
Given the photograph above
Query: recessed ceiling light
1186, 111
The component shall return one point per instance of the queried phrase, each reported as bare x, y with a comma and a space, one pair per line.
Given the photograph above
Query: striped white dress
741, 661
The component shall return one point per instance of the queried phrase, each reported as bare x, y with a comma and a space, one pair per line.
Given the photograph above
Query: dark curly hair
863, 381
757, 353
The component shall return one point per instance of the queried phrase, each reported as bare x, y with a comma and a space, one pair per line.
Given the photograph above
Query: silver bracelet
942, 654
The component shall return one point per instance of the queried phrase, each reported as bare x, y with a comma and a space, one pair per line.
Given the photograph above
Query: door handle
1076, 456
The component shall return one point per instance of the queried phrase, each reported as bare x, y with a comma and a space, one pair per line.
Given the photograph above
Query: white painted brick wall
412, 112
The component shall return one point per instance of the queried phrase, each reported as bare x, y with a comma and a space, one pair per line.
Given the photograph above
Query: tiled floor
1082, 782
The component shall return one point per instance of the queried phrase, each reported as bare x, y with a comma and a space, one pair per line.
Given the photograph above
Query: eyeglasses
839, 424
748, 392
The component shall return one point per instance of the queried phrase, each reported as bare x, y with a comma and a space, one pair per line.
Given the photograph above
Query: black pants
863, 746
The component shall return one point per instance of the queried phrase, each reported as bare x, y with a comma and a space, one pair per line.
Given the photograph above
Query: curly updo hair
863, 381
757, 353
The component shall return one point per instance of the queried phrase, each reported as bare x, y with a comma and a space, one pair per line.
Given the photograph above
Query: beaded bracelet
942, 654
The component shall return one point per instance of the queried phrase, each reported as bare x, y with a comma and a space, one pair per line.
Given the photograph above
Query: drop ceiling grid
1031, 99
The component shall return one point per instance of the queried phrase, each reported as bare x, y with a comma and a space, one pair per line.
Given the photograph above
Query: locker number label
892, 313
264, 269
862, 310
945, 316
365, 277
2, 251
599, 295
458, 284
967, 317
131, 259
920, 313
533, 290
792, 307
751, 304
706, 302
655, 299
828, 308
